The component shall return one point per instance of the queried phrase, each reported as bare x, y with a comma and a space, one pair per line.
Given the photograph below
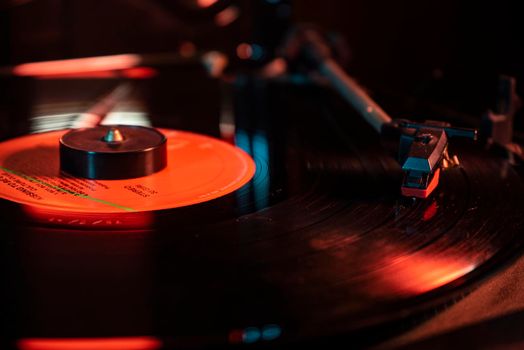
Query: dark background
446, 51
443, 54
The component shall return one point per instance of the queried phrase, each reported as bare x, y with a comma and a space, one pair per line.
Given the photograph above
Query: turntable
275, 204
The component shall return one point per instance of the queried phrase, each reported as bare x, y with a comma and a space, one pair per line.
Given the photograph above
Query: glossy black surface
85, 153
319, 243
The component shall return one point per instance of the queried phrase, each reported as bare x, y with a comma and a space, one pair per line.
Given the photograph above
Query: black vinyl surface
319, 243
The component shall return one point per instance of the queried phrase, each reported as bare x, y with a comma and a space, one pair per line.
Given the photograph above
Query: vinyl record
200, 168
315, 241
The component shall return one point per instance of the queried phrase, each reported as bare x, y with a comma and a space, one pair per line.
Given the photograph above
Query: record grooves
299, 235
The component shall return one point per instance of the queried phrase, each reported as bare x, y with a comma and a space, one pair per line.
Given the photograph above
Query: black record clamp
113, 152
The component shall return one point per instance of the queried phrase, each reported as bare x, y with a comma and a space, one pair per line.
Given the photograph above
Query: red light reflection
275, 68
131, 73
420, 273
206, 3
127, 343
78, 65
139, 73
244, 51
82, 220
430, 211
82, 75
227, 16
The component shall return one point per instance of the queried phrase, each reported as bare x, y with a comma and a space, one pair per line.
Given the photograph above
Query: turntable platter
314, 240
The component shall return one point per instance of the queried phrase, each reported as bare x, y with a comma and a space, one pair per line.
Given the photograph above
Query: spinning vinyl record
200, 168
300, 235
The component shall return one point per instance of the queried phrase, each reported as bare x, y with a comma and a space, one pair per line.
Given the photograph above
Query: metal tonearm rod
422, 147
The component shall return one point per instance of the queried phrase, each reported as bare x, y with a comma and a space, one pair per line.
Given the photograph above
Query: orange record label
200, 168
